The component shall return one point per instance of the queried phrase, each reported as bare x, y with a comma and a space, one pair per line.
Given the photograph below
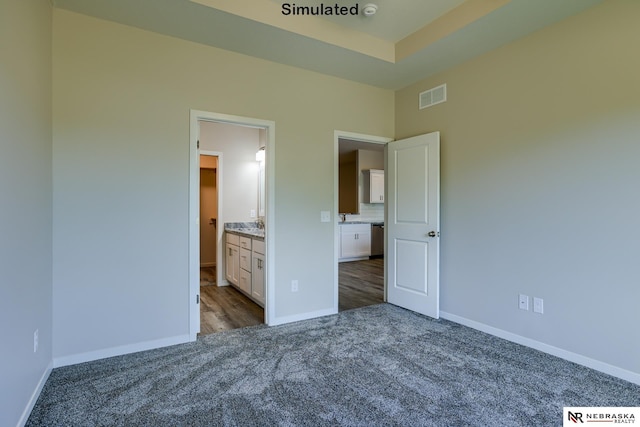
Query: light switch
325, 216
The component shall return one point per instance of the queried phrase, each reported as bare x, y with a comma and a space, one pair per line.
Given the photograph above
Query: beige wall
25, 204
539, 183
208, 162
123, 96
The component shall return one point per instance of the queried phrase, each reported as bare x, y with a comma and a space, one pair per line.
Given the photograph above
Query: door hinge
198, 144
197, 299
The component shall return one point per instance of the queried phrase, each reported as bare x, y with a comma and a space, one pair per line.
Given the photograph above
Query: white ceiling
260, 30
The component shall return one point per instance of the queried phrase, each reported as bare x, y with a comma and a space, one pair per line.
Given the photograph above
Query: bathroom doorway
228, 151
225, 170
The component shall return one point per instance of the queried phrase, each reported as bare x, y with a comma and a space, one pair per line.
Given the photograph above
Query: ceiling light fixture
369, 9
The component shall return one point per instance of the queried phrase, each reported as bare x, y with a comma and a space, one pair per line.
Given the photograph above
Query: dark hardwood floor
361, 283
224, 307
207, 276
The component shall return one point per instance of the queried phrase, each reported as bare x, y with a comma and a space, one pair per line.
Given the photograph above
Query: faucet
260, 223
344, 217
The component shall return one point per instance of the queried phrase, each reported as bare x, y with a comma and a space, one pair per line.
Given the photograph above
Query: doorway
225, 213
359, 264
412, 219
228, 301
221, 306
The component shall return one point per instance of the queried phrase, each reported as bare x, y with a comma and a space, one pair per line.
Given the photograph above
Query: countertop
372, 222
247, 229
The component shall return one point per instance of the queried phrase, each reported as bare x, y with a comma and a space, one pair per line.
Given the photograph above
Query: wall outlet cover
523, 302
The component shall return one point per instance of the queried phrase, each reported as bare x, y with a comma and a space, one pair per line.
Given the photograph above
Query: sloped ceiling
407, 40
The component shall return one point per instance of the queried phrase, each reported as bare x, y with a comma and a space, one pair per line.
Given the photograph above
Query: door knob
432, 234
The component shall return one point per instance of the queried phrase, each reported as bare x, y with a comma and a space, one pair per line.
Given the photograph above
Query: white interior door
413, 223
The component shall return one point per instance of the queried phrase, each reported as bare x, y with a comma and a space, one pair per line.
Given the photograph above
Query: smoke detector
369, 9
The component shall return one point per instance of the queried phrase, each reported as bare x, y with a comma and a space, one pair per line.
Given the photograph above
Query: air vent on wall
433, 96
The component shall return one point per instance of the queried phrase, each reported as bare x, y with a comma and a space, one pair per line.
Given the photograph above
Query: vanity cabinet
355, 241
232, 259
257, 272
373, 186
245, 265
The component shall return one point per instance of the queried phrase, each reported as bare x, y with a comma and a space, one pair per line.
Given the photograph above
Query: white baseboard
304, 316
118, 351
597, 365
34, 396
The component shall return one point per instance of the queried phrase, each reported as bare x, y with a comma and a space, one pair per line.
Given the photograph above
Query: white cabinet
373, 186
257, 272
245, 265
244, 242
232, 259
245, 281
355, 241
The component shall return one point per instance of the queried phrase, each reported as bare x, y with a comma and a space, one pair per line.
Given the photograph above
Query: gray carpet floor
374, 366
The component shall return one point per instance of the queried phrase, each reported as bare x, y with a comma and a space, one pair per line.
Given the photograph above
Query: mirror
261, 187
260, 158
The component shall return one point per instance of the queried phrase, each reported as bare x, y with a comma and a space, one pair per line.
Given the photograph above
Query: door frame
373, 139
194, 211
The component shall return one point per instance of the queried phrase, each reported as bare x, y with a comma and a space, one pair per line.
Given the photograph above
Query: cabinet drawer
355, 228
233, 239
258, 246
245, 281
245, 242
245, 259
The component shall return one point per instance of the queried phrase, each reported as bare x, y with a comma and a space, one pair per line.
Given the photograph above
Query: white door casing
413, 223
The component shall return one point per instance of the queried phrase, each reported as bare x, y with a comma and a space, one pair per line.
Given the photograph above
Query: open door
413, 223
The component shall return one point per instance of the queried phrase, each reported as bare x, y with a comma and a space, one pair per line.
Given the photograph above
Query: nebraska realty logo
322, 9
602, 416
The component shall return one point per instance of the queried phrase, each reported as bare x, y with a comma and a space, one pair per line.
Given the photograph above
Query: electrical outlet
538, 305
35, 341
252, 213
523, 302
325, 216
294, 286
